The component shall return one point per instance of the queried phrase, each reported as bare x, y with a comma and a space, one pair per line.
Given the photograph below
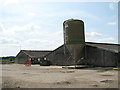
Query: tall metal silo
74, 39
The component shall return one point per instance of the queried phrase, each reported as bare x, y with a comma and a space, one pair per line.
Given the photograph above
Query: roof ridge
101, 43
55, 49
36, 53
36, 50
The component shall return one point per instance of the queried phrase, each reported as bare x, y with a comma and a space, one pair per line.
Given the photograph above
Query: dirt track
20, 76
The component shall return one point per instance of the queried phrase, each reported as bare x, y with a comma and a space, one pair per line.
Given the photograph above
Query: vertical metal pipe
64, 38
27, 57
74, 55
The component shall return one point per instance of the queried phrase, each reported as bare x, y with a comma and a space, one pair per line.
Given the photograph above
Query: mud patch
64, 82
67, 71
106, 75
95, 85
106, 81
9, 84
100, 70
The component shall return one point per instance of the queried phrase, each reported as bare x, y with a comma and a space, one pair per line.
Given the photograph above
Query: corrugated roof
36, 53
106, 46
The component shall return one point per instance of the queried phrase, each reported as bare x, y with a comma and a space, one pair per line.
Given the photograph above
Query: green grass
6, 61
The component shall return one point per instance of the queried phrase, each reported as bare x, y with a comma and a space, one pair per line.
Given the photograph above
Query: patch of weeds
116, 68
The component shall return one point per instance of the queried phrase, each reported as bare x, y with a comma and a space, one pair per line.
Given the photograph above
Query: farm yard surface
35, 76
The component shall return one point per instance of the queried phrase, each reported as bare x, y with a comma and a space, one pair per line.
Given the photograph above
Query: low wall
101, 57
57, 57
20, 58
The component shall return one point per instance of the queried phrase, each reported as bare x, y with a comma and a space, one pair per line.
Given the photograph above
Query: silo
74, 39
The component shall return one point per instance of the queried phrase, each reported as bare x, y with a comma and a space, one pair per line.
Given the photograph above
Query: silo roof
69, 20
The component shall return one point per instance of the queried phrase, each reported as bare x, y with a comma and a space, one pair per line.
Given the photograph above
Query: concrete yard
35, 76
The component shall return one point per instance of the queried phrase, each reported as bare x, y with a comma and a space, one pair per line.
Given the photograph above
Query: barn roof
106, 46
36, 53
42, 53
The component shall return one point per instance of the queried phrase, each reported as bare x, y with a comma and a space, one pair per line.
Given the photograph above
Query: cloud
72, 13
1, 28
34, 41
40, 44
6, 2
93, 34
111, 6
55, 37
31, 14
36, 37
43, 34
26, 28
9, 49
38, 33
46, 40
112, 23
8, 41
107, 40
98, 37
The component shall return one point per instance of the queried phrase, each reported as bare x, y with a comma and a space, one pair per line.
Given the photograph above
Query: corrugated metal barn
75, 50
96, 54
102, 54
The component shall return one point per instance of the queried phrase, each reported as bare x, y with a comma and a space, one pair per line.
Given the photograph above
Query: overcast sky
36, 25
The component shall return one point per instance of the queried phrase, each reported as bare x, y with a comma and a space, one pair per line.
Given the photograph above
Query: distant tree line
10, 58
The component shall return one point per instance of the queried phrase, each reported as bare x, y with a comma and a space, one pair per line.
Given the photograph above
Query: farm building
74, 51
97, 54
33, 55
102, 54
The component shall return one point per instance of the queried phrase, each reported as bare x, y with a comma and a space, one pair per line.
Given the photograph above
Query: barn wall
20, 58
94, 56
57, 57
100, 57
119, 59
